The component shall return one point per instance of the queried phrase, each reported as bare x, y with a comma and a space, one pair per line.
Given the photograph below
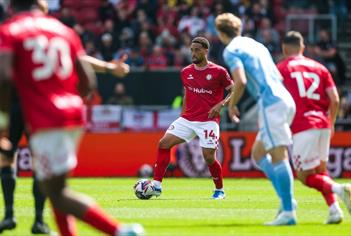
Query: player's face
198, 53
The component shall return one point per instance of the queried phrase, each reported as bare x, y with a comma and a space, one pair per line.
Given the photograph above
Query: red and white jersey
307, 81
204, 88
44, 72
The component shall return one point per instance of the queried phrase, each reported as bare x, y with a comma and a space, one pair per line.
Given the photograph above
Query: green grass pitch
185, 208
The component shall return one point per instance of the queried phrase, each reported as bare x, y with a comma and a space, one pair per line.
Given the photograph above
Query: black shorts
16, 129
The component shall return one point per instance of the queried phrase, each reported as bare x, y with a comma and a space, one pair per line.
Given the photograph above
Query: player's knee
301, 176
209, 157
164, 144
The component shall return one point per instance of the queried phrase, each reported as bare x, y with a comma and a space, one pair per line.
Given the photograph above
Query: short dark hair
293, 38
23, 4
203, 41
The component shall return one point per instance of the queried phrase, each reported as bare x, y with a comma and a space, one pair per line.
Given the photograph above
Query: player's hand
234, 114
121, 68
215, 111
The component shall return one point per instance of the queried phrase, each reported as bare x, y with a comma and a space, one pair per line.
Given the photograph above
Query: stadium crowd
156, 34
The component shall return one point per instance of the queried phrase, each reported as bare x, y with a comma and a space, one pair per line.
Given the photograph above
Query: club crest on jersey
190, 76
208, 77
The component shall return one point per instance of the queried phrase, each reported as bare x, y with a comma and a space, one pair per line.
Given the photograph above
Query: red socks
216, 172
163, 158
100, 220
65, 223
323, 183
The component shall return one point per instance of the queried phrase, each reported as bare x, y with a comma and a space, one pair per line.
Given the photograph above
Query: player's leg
215, 168
309, 162
275, 136
54, 154
8, 183
178, 132
8, 173
208, 133
264, 162
285, 181
39, 226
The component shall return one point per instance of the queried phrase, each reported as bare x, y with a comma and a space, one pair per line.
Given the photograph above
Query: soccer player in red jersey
204, 83
43, 57
317, 101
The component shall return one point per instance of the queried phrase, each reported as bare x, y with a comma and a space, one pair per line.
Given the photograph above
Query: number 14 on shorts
210, 134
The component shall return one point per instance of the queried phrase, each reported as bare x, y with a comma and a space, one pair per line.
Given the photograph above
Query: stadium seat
90, 3
86, 15
94, 27
70, 4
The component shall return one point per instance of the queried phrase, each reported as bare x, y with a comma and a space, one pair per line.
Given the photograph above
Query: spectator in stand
327, 50
257, 12
185, 42
126, 39
217, 9
157, 60
149, 6
91, 50
144, 44
106, 11
192, 23
107, 48
266, 25
127, 6
135, 59
109, 27
310, 52
84, 34
67, 18
178, 60
121, 21
141, 17
345, 106
272, 46
120, 97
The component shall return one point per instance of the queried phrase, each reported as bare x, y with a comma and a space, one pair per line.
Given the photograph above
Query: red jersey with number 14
45, 53
204, 88
307, 81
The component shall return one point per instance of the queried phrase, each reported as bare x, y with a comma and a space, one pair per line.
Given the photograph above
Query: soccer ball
143, 189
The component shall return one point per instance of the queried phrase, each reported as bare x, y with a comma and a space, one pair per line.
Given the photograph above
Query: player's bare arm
183, 105
87, 77
216, 110
333, 106
117, 67
238, 89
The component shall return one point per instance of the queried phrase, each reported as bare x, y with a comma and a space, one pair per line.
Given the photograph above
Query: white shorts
54, 151
310, 147
274, 124
207, 131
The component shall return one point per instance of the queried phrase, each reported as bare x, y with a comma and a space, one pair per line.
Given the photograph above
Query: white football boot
284, 218
130, 230
345, 196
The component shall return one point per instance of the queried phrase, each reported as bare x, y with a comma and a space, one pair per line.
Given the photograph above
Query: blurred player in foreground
16, 130
317, 102
204, 83
44, 58
251, 65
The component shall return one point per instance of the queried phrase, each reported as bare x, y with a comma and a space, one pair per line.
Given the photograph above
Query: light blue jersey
263, 78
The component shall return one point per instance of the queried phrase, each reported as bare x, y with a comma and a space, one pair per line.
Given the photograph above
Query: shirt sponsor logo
199, 90
190, 76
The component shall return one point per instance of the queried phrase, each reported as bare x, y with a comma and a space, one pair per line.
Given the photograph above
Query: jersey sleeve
232, 60
6, 42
